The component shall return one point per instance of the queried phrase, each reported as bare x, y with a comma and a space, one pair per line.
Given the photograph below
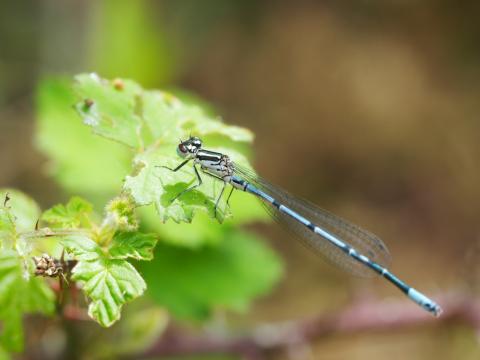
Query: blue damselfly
344, 244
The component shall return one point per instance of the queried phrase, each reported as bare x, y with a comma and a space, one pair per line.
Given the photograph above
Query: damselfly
341, 242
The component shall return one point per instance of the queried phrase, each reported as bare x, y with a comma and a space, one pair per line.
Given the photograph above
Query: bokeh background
367, 108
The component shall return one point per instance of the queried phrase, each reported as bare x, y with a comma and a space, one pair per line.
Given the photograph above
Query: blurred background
368, 108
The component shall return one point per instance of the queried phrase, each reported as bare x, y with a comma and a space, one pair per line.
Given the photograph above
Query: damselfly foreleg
199, 178
175, 169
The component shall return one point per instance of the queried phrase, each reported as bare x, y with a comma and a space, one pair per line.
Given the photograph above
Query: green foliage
202, 262
83, 164
122, 211
23, 211
133, 245
109, 282
20, 294
7, 227
190, 283
76, 212
156, 121
152, 122
105, 276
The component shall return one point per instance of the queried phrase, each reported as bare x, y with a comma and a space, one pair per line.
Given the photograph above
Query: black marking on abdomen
240, 182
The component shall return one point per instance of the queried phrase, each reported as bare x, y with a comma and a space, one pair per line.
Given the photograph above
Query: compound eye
182, 148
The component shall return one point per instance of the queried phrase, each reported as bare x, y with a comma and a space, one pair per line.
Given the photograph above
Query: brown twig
359, 317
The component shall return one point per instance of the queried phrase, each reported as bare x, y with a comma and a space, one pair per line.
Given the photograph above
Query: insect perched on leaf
344, 244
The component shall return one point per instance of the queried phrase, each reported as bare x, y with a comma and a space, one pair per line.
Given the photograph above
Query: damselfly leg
229, 196
218, 199
199, 178
175, 169
200, 182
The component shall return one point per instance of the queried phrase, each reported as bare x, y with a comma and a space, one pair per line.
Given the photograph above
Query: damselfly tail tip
432, 307
437, 310
425, 302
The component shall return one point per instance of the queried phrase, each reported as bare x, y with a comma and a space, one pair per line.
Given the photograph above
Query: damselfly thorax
215, 164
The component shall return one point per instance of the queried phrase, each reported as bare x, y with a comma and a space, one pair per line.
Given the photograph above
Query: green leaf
24, 210
18, 214
19, 295
169, 119
109, 283
7, 228
137, 118
71, 215
80, 162
82, 247
152, 122
191, 282
133, 245
111, 111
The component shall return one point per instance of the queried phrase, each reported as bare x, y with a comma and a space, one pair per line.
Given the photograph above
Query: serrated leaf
108, 282
133, 245
71, 215
18, 296
82, 247
192, 282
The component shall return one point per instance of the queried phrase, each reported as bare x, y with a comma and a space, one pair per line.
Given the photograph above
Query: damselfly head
188, 148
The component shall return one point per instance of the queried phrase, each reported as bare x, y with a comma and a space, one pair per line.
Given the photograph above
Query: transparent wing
361, 240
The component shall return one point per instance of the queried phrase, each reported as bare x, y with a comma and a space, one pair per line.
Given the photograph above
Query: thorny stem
47, 232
